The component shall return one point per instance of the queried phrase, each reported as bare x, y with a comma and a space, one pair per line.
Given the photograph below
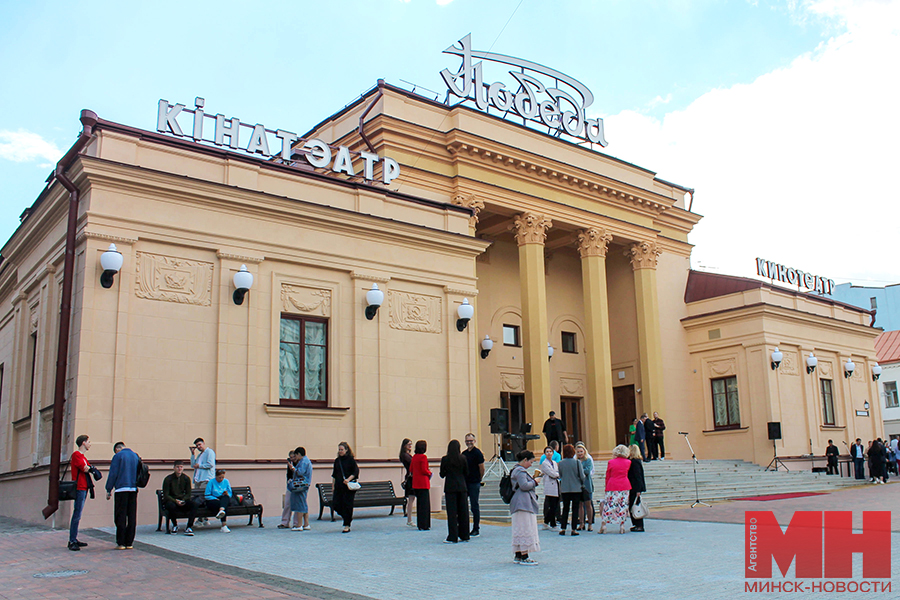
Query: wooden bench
370, 493
200, 502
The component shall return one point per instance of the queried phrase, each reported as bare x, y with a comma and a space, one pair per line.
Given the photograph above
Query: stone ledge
331, 412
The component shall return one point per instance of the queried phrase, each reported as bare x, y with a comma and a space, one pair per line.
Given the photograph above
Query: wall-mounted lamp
866, 405
374, 298
849, 367
486, 344
465, 312
549, 351
777, 356
876, 372
111, 263
811, 362
243, 281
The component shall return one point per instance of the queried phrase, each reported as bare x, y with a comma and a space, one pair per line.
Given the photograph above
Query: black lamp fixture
849, 367
777, 357
876, 372
811, 362
465, 312
111, 263
374, 299
486, 344
243, 281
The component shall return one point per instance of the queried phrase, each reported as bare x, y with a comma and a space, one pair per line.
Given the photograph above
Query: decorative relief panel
571, 386
33, 320
303, 300
789, 364
512, 382
159, 277
826, 371
858, 372
415, 312
722, 368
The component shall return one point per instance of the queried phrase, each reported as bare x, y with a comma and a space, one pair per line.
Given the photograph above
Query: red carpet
781, 496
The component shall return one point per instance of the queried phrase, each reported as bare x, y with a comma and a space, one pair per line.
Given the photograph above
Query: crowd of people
881, 456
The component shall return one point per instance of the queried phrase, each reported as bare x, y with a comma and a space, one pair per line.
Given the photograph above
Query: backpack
143, 474
506, 488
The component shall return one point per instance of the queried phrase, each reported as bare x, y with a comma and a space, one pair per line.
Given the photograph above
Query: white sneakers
225, 529
296, 529
188, 531
221, 513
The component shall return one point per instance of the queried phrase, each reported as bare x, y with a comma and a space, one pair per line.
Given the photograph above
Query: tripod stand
497, 461
776, 461
694, 461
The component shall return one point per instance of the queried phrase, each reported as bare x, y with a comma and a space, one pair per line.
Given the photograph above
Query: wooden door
570, 413
623, 402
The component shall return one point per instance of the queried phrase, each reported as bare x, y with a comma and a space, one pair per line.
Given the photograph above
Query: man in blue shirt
122, 481
218, 495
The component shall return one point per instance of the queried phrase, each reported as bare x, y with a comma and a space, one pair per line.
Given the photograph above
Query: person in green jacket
176, 489
631, 429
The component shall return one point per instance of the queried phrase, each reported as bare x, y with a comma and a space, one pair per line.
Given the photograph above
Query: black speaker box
499, 420
775, 430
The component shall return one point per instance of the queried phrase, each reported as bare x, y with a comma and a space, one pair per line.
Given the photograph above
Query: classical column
531, 231
601, 418
643, 257
469, 201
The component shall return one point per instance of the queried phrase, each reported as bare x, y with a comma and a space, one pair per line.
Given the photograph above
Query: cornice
239, 257
105, 237
556, 174
369, 277
469, 293
788, 315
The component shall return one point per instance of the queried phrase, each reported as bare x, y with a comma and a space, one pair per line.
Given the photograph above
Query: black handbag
66, 487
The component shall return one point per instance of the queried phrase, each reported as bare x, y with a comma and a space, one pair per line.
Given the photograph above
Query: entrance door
623, 402
516, 405
570, 409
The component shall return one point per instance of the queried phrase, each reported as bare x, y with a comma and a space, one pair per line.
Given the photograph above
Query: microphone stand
694, 461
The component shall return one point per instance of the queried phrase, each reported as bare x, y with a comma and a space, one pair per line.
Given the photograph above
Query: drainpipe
363, 116
88, 121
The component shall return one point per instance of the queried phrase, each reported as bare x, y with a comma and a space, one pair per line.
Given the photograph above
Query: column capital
469, 201
643, 255
531, 228
593, 242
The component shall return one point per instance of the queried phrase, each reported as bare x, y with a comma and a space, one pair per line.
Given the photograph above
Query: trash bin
437, 493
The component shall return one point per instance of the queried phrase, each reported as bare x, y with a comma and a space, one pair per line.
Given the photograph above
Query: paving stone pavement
382, 558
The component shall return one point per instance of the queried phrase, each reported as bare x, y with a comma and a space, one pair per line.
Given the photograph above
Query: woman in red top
615, 504
80, 468
421, 483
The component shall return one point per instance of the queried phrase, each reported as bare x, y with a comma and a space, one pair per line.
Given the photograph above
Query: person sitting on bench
176, 490
218, 495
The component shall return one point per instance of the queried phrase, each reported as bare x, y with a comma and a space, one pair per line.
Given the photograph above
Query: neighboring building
885, 301
556, 245
888, 347
734, 325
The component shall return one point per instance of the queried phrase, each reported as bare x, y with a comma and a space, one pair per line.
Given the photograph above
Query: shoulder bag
67, 487
351, 485
639, 510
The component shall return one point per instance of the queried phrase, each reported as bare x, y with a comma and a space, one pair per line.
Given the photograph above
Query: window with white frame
827, 401
303, 361
726, 407
890, 395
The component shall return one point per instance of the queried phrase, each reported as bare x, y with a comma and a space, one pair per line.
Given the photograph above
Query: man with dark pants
660, 436
123, 479
831, 455
650, 434
858, 453
475, 458
81, 475
640, 437
176, 490
555, 429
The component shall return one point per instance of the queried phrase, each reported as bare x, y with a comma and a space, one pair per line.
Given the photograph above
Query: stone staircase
671, 483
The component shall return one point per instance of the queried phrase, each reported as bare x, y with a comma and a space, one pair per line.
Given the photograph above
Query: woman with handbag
615, 503
80, 475
299, 487
571, 483
586, 513
406, 460
421, 483
345, 474
636, 479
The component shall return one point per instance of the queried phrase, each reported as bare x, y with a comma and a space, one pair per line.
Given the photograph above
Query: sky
782, 115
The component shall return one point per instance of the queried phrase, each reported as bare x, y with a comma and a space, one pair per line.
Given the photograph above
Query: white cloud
797, 166
659, 100
25, 146
443, 2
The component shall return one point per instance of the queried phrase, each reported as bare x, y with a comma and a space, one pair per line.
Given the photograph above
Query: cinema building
576, 265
